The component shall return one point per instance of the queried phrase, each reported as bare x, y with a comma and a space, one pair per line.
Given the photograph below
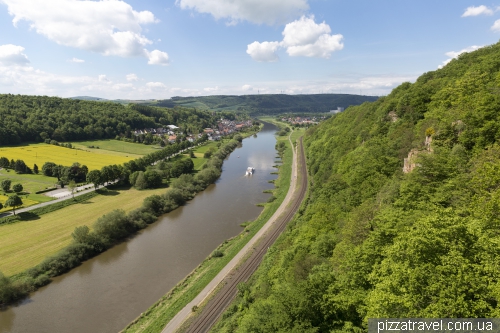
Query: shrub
217, 254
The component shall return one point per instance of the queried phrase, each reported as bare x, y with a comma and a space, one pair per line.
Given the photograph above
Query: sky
149, 49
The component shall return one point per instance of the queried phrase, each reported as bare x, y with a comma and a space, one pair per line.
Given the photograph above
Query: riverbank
112, 229
158, 315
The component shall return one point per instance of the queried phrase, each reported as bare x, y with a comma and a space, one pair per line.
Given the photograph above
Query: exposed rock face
428, 141
410, 161
393, 116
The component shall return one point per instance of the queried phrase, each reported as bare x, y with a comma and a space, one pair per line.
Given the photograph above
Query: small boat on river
250, 171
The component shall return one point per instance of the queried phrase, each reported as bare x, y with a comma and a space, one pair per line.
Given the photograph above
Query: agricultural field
26, 203
116, 147
39, 153
31, 183
198, 152
26, 244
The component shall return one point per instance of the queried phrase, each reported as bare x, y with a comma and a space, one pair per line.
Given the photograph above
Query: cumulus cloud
158, 58
211, 89
76, 60
256, 11
111, 28
247, 87
301, 38
496, 26
131, 77
306, 38
479, 10
454, 54
156, 86
263, 52
13, 55
103, 78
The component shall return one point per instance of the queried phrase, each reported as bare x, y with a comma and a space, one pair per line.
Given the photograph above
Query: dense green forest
269, 104
376, 242
36, 118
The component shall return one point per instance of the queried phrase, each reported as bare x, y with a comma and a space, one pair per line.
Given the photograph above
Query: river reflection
105, 293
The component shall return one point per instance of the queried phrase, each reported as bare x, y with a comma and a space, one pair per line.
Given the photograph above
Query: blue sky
157, 49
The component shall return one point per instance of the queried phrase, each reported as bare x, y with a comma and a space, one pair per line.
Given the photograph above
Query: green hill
376, 242
36, 118
269, 104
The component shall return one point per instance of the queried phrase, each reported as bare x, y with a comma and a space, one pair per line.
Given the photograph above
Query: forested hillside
270, 104
374, 241
36, 118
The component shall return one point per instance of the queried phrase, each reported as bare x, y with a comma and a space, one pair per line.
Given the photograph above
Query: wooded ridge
377, 242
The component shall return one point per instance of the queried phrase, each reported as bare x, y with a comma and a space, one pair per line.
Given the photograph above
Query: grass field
25, 244
40, 153
201, 150
116, 147
31, 183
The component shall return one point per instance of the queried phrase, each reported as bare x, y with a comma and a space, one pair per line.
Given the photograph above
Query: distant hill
119, 101
37, 118
269, 104
89, 98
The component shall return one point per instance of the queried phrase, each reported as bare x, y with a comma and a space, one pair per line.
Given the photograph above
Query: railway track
223, 298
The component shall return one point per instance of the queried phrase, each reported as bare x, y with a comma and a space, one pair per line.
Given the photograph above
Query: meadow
26, 244
116, 147
39, 153
31, 183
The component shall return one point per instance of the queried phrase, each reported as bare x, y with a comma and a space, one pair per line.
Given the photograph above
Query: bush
113, 226
217, 254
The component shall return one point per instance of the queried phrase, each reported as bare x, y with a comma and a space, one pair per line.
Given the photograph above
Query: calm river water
104, 294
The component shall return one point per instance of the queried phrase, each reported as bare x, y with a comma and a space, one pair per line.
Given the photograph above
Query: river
107, 292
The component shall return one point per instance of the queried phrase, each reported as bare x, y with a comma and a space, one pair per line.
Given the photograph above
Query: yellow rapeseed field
26, 203
40, 153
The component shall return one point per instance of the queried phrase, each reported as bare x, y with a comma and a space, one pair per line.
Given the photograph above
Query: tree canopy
374, 241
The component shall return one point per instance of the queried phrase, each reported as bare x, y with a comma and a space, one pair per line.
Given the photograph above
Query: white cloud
123, 86
131, 77
13, 55
454, 54
306, 38
111, 28
496, 26
103, 78
263, 52
211, 89
301, 38
76, 60
479, 10
256, 11
158, 58
156, 86
247, 87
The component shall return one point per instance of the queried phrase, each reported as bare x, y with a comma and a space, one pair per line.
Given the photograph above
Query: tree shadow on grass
109, 193
28, 216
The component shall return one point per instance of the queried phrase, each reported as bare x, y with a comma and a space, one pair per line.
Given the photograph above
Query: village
302, 121
173, 134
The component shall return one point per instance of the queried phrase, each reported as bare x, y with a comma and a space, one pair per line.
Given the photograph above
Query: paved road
256, 247
43, 204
